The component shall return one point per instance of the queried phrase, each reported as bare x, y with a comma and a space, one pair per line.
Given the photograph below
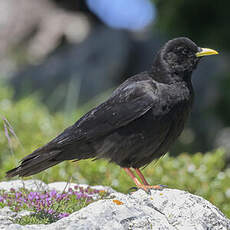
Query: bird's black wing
129, 102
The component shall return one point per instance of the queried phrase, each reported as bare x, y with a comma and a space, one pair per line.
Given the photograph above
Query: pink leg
139, 173
134, 178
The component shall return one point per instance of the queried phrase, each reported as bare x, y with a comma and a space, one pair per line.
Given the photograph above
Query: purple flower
64, 195
50, 211
18, 194
42, 196
61, 215
88, 200
53, 193
59, 197
1, 199
78, 195
48, 199
76, 187
70, 191
31, 196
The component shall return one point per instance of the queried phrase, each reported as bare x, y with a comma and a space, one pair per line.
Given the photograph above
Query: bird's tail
35, 162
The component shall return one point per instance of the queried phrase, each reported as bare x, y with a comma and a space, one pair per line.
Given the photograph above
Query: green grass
38, 218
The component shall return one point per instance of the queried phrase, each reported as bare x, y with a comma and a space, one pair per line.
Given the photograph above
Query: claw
158, 187
147, 188
163, 186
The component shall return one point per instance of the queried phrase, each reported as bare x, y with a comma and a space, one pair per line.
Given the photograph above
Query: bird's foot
148, 188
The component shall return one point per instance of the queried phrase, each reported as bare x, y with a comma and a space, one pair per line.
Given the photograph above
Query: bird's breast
174, 100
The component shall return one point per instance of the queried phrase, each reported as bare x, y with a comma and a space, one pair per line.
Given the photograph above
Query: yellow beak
206, 52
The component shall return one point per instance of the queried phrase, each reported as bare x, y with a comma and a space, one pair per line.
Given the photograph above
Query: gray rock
28, 184
169, 209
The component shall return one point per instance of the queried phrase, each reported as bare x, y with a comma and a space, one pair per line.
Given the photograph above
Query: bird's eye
184, 51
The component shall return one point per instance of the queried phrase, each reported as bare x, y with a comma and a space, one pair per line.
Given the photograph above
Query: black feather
35, 163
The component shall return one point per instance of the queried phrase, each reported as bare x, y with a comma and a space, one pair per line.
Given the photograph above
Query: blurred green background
58, 59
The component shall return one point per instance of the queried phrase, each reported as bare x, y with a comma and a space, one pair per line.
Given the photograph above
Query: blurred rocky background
69, 53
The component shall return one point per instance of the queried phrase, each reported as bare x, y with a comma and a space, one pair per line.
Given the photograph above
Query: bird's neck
170, 78
160, 73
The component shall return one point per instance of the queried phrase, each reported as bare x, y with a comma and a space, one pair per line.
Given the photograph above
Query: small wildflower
78, 195
1, 199
53, 193
61, 215
51, 211
76, 187
18, 194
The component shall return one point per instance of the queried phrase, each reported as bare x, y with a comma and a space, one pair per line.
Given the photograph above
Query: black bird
138, 123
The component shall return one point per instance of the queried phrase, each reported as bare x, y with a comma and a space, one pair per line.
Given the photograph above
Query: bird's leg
139, 173
134, 178
146, 185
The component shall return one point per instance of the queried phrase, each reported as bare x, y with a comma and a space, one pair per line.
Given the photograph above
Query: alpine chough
138, 123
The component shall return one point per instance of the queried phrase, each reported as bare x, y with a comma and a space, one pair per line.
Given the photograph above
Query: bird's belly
143, 140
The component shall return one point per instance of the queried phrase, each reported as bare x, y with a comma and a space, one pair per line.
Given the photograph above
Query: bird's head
181, 55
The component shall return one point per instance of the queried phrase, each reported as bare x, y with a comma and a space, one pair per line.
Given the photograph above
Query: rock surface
168, 209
